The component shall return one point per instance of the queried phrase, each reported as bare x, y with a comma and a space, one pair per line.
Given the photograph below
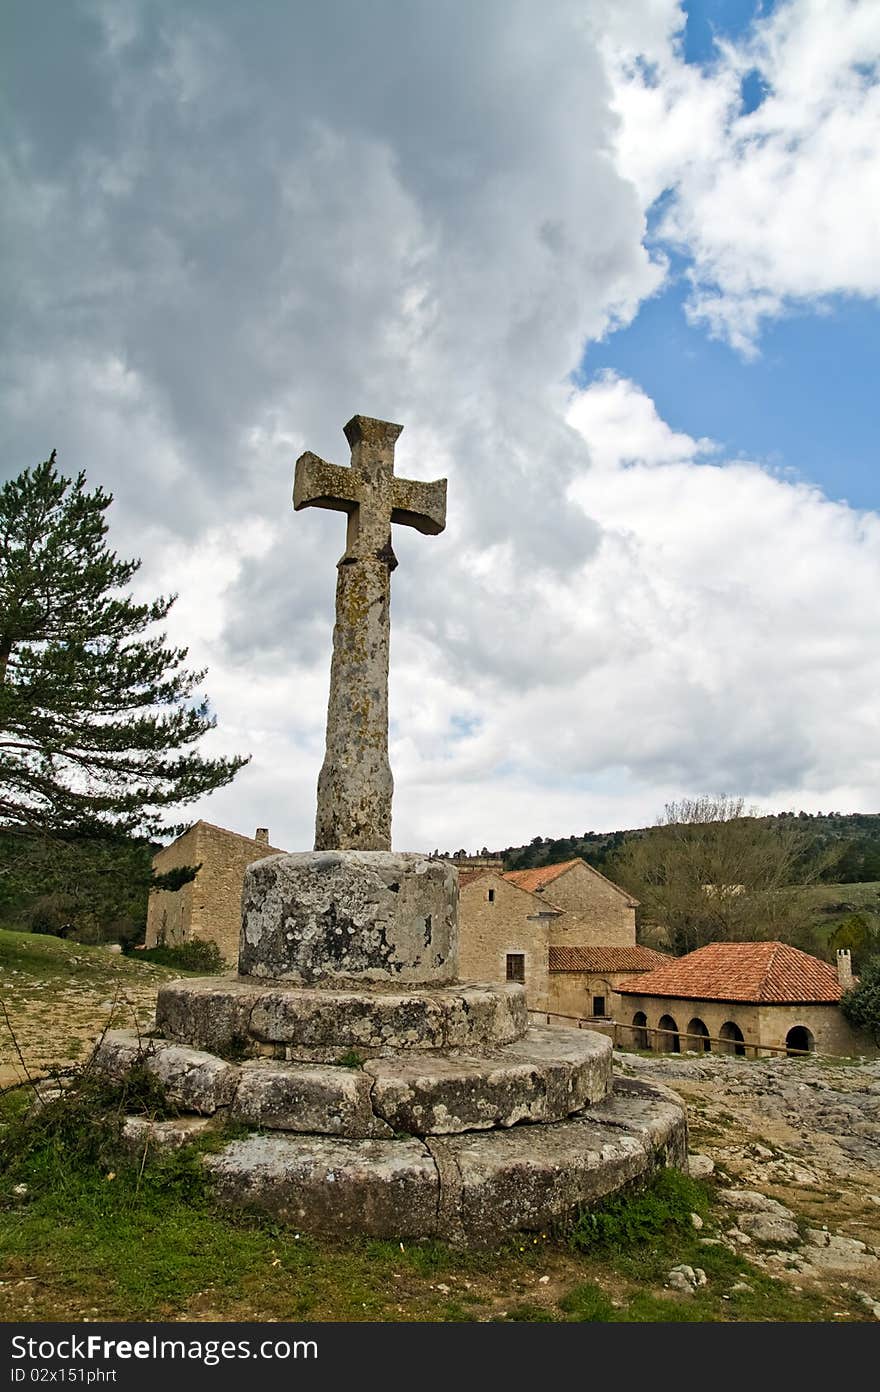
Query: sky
612, 264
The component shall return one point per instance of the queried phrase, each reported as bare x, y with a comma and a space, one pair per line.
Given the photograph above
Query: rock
139, 1131
686, 1278
696, 1221
333, 1186
763, 1227
699, 1166
476, 1187
751, 1201
830, 1252
740, 1288
345, 917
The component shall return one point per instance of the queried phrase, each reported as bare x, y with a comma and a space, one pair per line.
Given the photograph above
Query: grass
87, 1230
829, 904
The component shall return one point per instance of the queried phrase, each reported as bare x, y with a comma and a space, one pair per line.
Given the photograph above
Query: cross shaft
355, 785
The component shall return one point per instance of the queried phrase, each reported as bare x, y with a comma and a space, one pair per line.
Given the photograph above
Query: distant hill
856, 835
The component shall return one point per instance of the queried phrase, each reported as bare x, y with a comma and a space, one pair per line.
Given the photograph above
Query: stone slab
238, 1015
527, 1178
308, 1098
193, 1079
140, 1132
347, 917
544, 1077
475, 1189
323, 1185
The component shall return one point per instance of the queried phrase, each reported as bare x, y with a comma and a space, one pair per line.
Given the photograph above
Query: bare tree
713, 870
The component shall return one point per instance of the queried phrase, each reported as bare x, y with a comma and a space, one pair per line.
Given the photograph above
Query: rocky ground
57, 997
796, 1144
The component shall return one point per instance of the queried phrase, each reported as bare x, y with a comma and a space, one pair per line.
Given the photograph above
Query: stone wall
767, 1025
495, 919
714, 1015
832, 1032
169, 913
572, 993
596, 913
209, 907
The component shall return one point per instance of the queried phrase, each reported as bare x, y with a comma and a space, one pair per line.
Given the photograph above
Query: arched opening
640, 1033
669, 1043
799, 1040
733, 1038
699, 1036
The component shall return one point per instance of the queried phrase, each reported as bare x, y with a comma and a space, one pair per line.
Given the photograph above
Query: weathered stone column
355, 784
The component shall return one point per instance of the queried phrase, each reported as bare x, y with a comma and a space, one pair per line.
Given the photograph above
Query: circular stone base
544, 1077
474, 1188
235, 1015
346, 917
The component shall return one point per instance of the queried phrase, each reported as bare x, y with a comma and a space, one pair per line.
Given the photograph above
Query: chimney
844, 968
262, 835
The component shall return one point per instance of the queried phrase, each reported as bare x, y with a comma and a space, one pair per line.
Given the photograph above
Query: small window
599, 1005
516, 966
491, 896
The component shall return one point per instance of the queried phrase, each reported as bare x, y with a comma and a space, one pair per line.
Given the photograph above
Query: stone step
233, 1014
546, 1076
474, 1188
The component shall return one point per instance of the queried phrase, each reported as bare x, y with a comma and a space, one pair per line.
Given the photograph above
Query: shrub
196, 956
861, 1004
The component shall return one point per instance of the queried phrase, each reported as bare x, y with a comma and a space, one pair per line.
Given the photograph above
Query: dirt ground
56, 998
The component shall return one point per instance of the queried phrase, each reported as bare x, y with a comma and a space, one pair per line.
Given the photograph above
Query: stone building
584, 980
740, 998
536, 925
209, 906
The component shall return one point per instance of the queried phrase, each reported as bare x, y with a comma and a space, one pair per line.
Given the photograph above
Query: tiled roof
536, 880
466, 877
605, 959
760, 972
533, 880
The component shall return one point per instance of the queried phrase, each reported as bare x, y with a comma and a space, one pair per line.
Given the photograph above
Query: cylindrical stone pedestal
336, 918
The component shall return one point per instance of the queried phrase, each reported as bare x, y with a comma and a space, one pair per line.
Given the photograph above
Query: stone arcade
383, 1095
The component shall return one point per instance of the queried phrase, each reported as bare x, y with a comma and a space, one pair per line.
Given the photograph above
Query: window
599, 1005
516, 966
491, 896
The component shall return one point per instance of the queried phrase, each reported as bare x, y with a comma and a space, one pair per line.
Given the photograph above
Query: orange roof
536, 879
759, 972
466, 877
606, 959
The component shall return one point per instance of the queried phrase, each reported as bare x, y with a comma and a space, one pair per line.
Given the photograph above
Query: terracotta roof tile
759, 972
466, 877
533, 880
606, 959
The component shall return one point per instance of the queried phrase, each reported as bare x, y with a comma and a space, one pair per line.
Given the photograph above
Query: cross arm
319, 484
419, 505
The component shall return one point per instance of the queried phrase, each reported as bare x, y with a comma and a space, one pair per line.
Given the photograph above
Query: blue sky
806, 404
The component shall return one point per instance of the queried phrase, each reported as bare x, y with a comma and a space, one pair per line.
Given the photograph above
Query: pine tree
98, 715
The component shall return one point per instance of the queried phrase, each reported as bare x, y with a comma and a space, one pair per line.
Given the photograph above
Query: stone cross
355, 784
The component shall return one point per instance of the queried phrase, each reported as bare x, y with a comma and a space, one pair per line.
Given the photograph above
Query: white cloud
779, 206
224, 241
